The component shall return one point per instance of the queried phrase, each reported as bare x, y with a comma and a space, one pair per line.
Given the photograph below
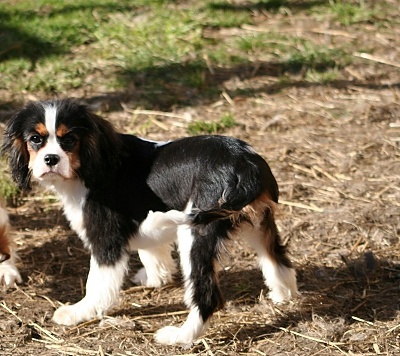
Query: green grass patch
315, 57
204, 127
348, 13
8, 189
324, 77
57, 46
159, 47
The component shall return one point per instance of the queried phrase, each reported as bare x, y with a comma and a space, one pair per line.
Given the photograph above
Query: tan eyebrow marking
62, 130
41, 129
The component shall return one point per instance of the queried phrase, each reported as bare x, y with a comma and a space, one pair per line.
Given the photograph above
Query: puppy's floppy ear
99, 151
15, 145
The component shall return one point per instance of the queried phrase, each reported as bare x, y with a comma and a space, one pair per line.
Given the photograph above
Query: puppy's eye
36, 139
69, 140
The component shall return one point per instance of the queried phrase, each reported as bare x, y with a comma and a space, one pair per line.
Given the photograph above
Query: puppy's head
59, 140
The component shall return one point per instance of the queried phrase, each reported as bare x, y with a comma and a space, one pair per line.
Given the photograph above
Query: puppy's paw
140, 277
9, 275
155, 281
171, 335
4, 257
66, 315
284, 289
74, 314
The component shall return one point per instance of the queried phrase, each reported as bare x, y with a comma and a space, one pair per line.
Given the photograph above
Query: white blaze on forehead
50, 114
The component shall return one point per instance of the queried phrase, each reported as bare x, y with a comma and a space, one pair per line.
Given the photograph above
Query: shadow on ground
367, 287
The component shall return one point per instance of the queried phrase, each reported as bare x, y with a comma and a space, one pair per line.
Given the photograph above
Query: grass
359, 12
348, 13
226, 121
76, 40
308, 55
324, 77
57, 47
8, 190
54, 47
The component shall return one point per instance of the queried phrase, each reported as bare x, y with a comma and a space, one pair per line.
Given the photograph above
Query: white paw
190, 330
66, 315
9, 275
71, 315
283, 294
170, 335
278, 297
140, 277
281, 281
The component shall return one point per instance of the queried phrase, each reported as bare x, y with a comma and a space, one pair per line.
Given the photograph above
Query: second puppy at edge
9, 274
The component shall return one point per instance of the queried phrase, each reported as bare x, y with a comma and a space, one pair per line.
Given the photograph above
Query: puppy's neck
72, 194
68, 190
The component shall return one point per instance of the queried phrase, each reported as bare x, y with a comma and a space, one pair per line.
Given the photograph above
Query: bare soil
334, 150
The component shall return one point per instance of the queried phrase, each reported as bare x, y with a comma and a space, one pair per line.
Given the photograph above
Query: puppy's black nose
51, 160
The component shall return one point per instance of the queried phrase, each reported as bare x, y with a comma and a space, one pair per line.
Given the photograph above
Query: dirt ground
334, 150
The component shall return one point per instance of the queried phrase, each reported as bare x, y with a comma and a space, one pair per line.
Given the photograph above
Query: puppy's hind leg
202, 294
279, 275
159, 267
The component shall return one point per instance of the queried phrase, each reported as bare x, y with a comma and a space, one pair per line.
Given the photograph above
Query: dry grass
334, 150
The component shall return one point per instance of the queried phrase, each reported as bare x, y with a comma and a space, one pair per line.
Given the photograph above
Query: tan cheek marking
73, 156
74, 160
32, 156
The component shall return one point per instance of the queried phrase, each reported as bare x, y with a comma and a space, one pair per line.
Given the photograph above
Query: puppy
9, 274
122, 193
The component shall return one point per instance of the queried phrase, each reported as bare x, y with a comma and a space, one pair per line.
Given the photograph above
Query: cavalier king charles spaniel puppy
9, 274
122, 193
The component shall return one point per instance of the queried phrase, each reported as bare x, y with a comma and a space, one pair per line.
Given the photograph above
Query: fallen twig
154, 113
302, 206
376, 59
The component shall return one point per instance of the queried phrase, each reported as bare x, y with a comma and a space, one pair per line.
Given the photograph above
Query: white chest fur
72, 194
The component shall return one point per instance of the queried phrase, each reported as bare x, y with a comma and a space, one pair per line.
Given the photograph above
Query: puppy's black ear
15, 146
100, 152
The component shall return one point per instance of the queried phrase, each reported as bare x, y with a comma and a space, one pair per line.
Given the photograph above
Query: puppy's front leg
102, 289
9, 274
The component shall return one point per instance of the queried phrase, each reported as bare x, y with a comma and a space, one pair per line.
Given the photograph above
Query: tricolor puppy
9, 274
122, 193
